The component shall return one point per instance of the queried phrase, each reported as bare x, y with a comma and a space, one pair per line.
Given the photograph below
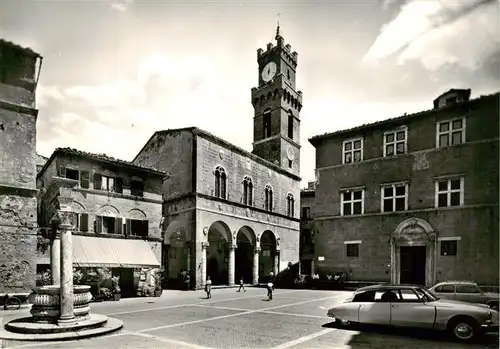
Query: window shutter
84, 222
128, 226
119, 185
98, 224
118, 225
84, 179
62, 171
75, 221
97, 181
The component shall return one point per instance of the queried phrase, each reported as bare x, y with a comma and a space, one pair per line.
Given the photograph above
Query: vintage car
465, 291
414, 306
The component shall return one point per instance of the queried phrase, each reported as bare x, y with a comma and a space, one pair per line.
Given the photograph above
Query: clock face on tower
269, 71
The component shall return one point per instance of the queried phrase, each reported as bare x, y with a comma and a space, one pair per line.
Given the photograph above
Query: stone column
55, 259
204, 246
66, 298
232, 249
276, 262
255, 280
312, 267
188, 257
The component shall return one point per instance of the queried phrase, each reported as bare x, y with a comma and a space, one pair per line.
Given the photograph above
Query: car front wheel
464, 329
343, 323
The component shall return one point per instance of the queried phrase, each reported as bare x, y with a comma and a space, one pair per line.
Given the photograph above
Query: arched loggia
244, 254
219, 237
267, 255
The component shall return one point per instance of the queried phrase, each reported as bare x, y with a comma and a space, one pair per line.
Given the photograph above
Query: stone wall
476, 222
477, 250
237, 166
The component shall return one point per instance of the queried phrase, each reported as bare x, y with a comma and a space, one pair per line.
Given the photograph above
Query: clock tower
277, 105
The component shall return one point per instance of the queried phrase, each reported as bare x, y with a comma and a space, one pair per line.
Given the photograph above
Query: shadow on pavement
368, 334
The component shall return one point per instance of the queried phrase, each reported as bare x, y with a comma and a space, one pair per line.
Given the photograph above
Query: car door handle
394, 305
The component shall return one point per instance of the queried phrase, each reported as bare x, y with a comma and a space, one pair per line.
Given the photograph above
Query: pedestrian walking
270, 288
271, 280
208, 288
242, 286
187, 280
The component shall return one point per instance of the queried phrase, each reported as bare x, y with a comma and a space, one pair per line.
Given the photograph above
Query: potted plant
158, 283
115, 280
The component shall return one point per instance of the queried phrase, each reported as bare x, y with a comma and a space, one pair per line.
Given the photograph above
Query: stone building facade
118, 208
229, 213
307, 197
412, 199
19, 72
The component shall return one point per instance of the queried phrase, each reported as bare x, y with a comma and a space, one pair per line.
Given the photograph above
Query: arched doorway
413, 249
219, 236
175, 255
267, 255
245, 241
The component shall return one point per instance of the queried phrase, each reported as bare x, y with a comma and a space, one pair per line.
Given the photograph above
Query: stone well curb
112, 325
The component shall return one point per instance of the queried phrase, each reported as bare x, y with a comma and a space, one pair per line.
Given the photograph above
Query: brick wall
18, 206
237, 167
477, 254
18, 144
171, 152
476, 222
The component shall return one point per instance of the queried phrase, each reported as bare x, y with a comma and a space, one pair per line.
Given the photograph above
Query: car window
367, 296
408, 296
467, 289
445, 289
387, 296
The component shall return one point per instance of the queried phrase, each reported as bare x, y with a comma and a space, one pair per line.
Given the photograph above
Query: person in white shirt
208, 287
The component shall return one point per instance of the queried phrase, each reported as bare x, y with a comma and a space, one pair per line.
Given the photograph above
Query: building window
84, 179
449, 192
137, 227
306, 213
290, 125
268, 205
266, 124
290, 205
449, 248
450, 132
247, 191
352, 151
394, 198
352, 250
290, 163
137, 188
108, 225
352, 202
220, 182
395, 142
81, 222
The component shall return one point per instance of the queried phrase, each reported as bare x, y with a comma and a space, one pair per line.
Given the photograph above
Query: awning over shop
112, 253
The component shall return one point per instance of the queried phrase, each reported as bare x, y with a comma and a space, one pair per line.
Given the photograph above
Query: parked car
414, 306
465, 291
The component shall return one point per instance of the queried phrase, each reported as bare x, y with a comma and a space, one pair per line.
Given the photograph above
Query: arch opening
267, 255
219, 237
245, 240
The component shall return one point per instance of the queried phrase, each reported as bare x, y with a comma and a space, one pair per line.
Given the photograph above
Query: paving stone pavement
293, 319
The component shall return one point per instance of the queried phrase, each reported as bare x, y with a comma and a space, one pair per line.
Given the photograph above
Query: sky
115, 72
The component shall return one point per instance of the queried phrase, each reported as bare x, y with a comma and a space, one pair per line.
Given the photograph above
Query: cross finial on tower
278, 34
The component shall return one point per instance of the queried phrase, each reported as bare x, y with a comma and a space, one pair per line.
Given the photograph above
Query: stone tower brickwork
19, 70
277, 106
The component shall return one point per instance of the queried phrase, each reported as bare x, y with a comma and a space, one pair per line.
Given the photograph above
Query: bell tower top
277, 106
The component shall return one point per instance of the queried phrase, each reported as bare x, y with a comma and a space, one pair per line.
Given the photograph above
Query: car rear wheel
464, 329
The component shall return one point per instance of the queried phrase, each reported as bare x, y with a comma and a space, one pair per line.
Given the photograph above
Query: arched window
269, 198
220, 182
290, 203
247, 191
